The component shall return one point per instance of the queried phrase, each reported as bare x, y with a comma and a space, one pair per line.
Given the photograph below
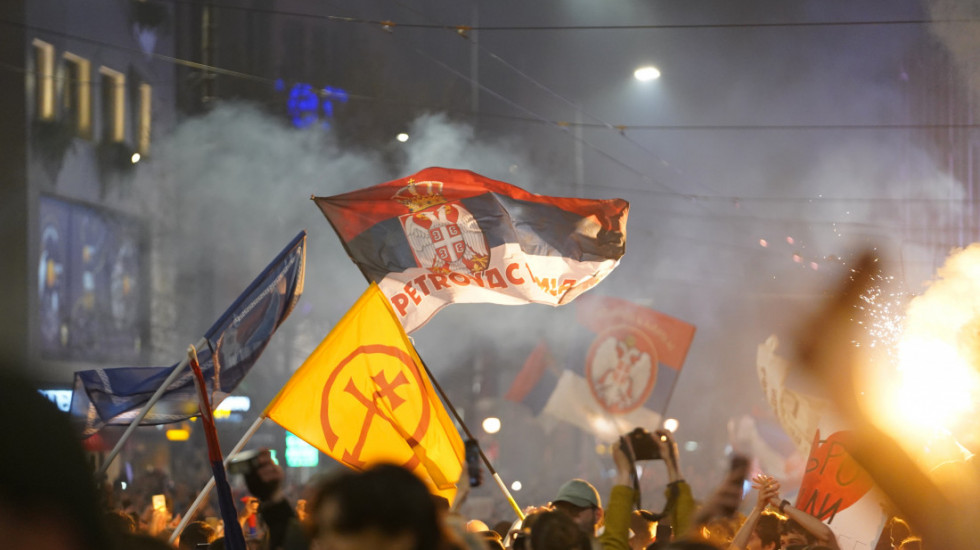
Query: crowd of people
49, 499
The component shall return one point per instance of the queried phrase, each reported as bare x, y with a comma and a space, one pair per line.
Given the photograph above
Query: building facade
88, 88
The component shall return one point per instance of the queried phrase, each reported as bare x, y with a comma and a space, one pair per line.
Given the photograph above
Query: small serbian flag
442, 236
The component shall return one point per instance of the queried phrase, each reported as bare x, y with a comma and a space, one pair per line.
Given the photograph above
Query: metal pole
210, 484
146, 409
493, 472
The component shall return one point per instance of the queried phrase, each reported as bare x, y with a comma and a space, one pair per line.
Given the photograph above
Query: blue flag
115, 396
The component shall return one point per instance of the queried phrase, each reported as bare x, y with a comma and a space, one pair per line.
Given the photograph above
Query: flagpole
210, 484
146, 409
493, 472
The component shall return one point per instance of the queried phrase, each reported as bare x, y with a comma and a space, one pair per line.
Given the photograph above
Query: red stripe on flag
534, 366
207, 417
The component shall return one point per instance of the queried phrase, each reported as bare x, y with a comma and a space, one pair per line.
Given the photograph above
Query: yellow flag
362, 397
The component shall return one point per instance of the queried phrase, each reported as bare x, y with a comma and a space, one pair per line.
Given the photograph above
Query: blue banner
115, 396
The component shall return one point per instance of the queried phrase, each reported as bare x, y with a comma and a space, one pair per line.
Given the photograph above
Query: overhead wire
563, 126
574, 105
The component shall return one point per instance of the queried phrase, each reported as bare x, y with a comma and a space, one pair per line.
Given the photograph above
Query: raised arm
767, 489
680, 502
820, 530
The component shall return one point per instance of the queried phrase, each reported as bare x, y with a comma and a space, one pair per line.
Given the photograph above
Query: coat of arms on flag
442, 236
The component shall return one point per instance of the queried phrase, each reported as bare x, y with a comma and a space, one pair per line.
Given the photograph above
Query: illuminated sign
61, 398
235, 403
300, 453
231, 408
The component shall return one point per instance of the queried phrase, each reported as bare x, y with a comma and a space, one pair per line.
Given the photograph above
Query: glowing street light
402, 137
135, 158
491, 424
671, 425
646, 73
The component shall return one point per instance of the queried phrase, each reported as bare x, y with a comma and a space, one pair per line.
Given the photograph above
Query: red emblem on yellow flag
362, 397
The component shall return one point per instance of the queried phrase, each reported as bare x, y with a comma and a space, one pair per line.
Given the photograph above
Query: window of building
113, 116
76, 94
145, 119
43, 80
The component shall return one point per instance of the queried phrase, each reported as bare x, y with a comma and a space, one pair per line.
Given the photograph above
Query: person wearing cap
579, 500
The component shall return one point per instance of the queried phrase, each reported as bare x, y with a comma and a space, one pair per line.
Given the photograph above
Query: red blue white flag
620, 368
443, 235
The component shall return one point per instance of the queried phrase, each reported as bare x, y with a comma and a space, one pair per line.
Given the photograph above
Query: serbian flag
626, 375
363, 398
234, 539
442, 236
115, 396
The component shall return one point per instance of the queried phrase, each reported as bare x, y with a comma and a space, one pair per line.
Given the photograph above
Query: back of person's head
385, 499
119, 522
47, 493
217, 544
551, 530
490, 539
768, 529
194, 534
502, 527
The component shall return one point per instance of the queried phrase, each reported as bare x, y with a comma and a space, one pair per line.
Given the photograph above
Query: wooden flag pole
146, 409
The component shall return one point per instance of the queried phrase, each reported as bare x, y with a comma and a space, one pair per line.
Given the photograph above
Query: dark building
87, 90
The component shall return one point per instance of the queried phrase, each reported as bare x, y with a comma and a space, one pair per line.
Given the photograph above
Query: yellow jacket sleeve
617, 519
680, 506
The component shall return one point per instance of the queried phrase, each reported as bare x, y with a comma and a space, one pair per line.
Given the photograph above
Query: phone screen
159, 503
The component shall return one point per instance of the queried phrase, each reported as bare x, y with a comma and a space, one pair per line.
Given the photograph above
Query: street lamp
646, 73
491, 424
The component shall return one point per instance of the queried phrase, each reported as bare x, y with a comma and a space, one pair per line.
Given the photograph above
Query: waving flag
115, 396
362, 397
443, 236
623, 379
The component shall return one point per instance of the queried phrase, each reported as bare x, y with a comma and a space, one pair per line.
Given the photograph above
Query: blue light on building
307, 106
